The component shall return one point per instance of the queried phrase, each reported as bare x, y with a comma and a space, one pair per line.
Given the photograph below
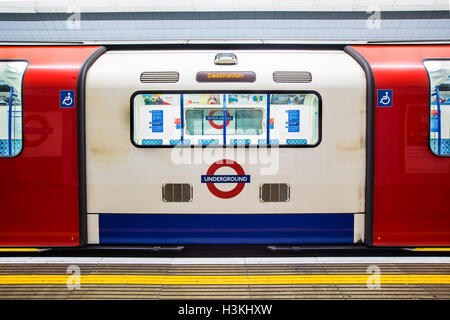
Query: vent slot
177, 192
160, 77
274, 192
292, 77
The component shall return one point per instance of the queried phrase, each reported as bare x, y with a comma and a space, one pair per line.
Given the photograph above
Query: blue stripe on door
226, 228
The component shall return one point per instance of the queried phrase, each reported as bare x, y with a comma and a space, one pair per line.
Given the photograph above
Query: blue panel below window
240, 141
296, 141
178, 141
445, 146
16, 147
226, 228
271, 141
208, 141
150, 142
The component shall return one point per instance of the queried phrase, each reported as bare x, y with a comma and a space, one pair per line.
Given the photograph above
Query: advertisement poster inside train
246, 99
202, 99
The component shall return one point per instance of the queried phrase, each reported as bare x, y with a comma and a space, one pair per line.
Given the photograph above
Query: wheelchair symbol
384, 98
67, 98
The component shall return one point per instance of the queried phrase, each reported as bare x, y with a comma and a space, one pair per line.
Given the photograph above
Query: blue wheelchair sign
384, 98
67, 98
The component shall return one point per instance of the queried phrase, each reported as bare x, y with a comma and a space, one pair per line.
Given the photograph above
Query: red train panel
40, 191
411, 185
39, 187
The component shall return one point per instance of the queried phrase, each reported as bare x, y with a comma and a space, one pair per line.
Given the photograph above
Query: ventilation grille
160, 77
177, 192
292, 77
274, 192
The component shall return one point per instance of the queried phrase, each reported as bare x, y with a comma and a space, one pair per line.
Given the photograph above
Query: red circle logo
40, 132
213, 124
240, 179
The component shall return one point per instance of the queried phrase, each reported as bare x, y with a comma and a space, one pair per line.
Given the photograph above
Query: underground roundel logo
212, 116
240, 178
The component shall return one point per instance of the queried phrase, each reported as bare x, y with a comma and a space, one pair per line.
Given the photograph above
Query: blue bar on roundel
225, 178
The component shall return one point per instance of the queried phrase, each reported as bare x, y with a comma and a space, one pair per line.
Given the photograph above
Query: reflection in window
439, 73
237, 121
11, 74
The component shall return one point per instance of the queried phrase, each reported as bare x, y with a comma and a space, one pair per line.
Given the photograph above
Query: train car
289, 144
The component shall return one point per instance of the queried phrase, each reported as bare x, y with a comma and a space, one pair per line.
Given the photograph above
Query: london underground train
225, 144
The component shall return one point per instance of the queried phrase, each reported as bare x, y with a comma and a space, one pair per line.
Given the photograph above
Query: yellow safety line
431, 249
226, 280
17, 249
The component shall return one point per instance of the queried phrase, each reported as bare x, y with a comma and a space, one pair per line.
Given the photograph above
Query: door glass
11, 75
226, 118
439, 73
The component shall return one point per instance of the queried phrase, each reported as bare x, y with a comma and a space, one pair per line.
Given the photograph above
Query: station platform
344, 278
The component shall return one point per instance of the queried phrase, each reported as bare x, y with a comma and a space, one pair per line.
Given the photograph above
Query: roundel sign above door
211, 179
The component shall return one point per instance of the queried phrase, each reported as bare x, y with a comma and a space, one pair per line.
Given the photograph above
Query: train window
225, 118
157, 119
294, 119
439, 74
11, 75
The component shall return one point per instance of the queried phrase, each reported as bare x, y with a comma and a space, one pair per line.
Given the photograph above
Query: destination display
226, 76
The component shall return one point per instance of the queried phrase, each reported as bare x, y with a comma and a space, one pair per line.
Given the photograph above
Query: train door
270, 149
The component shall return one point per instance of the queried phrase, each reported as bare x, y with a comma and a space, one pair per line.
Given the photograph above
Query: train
166, 144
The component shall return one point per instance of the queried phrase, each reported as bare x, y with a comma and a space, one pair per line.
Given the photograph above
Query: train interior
439, 73
11, 75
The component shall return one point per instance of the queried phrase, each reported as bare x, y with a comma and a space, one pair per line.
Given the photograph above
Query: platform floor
225, 278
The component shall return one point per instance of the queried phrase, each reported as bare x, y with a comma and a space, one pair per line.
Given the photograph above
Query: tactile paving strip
255, 281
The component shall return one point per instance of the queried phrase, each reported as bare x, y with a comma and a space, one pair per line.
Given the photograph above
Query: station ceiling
314, 20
